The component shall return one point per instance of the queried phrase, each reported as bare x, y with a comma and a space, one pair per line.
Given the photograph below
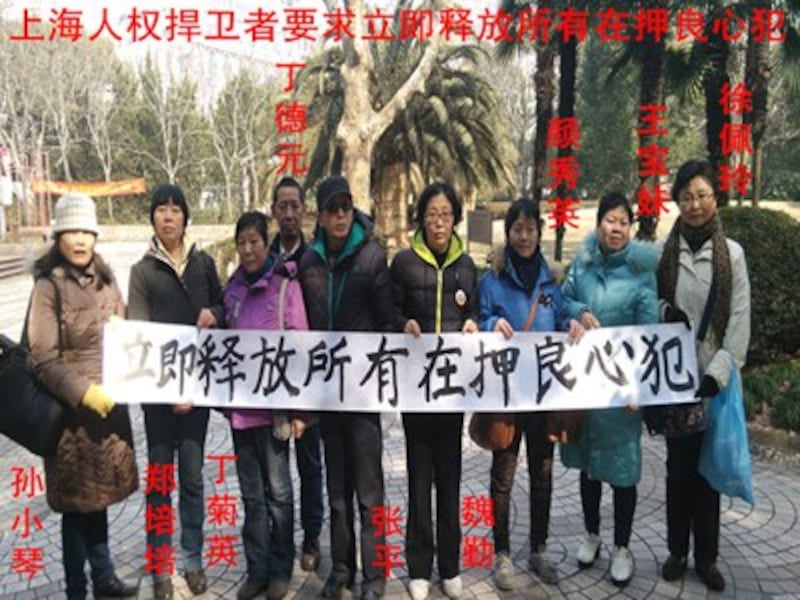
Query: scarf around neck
722, 275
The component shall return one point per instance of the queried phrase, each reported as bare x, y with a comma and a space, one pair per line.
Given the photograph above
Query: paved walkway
760, 547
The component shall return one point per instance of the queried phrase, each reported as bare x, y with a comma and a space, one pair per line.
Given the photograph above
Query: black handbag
29, 414
680, 420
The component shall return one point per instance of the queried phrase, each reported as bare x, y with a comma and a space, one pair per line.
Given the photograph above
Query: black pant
84, 536
186, 433
309, 465
353, 449
624, 507
433, 455
540, 471
691, 502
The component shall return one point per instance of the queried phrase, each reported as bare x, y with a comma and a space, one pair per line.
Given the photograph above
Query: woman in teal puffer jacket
611, 283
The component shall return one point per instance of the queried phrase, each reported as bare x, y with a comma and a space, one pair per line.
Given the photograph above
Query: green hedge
771, 242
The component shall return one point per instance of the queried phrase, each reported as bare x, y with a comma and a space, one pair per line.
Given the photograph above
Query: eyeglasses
337, 204
690, 198
445, 217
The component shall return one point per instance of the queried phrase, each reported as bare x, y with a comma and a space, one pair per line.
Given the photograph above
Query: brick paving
759, 548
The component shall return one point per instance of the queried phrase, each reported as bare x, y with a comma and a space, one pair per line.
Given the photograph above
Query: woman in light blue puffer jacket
611, 282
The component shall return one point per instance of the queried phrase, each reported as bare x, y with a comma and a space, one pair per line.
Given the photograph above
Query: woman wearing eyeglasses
702, 279
435, 291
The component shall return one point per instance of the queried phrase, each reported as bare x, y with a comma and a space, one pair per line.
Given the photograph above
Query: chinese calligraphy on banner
158, 363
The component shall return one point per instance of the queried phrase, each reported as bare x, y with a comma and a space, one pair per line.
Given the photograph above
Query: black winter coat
351, 292
156, 293
417, 293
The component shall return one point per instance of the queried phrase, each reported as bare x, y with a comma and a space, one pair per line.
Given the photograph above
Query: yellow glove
98, 400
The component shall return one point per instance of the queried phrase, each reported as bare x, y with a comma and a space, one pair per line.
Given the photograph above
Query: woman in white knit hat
94, 465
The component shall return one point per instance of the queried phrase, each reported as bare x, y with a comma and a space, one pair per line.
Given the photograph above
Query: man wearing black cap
346, 287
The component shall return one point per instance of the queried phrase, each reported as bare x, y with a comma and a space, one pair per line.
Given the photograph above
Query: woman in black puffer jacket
435, 291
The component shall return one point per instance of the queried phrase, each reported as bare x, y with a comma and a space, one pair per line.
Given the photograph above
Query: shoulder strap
282, 303
57, 299
532, 314
706, 320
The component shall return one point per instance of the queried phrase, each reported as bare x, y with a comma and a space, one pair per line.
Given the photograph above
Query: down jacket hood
640, 257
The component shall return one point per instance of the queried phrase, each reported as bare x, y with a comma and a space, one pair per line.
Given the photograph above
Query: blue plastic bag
725, 455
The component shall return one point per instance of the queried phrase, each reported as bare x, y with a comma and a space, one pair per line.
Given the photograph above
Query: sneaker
309, 561
673, 568
711, 576
249, 590
419, 588
621, 566
589, 550
503, 572
453, 588
163, 590
540, 564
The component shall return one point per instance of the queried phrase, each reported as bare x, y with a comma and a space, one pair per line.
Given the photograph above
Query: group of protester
341, 281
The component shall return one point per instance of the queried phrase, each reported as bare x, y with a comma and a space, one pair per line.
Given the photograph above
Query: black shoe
196, 580
277, 589
711, 576
309, 561
162, 590
372, 593
248, 591
115, 588
673, 568
334, 589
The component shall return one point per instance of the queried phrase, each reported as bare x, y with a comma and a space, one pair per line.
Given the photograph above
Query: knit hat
330, 188
75, 211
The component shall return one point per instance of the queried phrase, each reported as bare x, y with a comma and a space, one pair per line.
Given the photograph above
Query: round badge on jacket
461, 298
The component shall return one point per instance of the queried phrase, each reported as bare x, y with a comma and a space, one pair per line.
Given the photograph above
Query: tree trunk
361, 126
716, 119
651, 92
390, 214
756, 79
109, 201
568, 52
544, 82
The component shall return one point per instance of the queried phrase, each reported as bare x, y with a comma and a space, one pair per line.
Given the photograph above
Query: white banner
372, 372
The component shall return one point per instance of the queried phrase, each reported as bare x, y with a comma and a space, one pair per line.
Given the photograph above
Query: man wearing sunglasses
346, 287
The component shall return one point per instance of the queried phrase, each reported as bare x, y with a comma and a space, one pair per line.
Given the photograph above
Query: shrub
786, 412
763, 386
770, 242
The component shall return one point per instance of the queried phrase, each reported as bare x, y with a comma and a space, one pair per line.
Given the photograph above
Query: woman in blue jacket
611, 283
519, 294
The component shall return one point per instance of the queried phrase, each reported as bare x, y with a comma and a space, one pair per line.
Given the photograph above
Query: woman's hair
53, 258
611, 201
688, 171
434, 189
169, 193
526, 207
256, 220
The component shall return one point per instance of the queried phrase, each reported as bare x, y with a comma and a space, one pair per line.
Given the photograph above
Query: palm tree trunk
651, 92
568, 63
716, 119
756, 79
544, 83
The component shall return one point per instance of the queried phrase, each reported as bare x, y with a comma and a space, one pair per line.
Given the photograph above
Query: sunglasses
339, 203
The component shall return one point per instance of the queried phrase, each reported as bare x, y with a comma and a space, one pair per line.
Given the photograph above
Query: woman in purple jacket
263, 294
